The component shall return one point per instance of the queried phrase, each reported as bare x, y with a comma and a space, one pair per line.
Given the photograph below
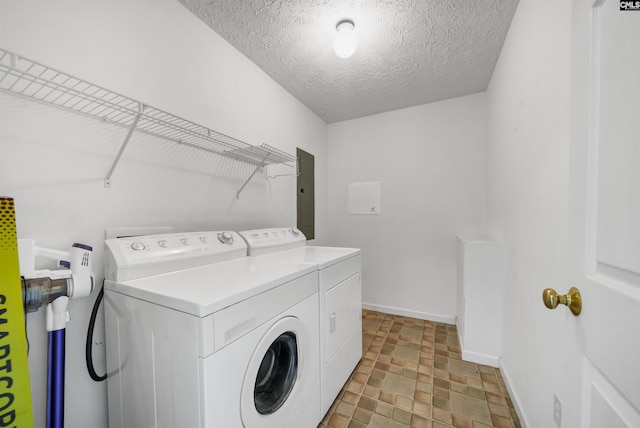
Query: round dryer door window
277, 374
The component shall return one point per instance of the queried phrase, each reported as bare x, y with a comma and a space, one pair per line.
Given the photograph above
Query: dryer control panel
139, 256
264, 241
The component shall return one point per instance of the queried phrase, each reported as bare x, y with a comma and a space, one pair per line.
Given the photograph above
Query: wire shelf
29, 79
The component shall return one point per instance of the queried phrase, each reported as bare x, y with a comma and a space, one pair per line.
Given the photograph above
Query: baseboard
478, 358
475, 357
517, 404
409, 313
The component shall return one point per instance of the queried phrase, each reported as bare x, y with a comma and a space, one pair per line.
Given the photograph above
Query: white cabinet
480, 295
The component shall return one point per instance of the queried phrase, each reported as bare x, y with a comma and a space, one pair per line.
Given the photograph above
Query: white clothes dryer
340, 300
197, 342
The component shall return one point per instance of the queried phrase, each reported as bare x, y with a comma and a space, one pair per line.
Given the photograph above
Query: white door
604, 240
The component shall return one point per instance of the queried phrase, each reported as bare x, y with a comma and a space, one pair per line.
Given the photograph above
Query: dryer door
273, 386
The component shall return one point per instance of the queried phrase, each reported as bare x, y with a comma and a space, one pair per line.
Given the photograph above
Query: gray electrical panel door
306, 194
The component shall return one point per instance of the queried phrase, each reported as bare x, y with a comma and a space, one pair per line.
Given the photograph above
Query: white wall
528, 181
53, 163
430, 160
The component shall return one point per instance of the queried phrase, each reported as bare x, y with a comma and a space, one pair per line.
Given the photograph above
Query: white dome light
346, 42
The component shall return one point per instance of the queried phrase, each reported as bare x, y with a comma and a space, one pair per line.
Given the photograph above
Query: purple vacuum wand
53, 289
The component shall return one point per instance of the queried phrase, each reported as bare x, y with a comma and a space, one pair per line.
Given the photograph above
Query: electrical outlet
557, 410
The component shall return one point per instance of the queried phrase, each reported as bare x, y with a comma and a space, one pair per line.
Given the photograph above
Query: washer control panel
263, 241
137, 256
175, 244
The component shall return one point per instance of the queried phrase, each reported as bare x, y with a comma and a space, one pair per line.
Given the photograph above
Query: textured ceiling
410, 52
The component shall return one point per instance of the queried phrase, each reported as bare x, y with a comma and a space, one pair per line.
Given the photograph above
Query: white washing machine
200, 335
340, 300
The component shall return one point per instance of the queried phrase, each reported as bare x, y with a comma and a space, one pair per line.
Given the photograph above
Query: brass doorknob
573, 300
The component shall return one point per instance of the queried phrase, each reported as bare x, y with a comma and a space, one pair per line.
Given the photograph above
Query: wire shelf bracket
28, 79
107, 179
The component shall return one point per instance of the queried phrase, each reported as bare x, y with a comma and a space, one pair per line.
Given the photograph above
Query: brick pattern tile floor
412, 375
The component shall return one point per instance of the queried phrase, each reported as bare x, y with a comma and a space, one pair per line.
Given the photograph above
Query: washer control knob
163, 243
137, 246
204, 239
255, 236
266, 234
185, 241
225, 238
294, 232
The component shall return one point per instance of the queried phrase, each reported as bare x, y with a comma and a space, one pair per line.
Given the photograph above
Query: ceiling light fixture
346, 42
